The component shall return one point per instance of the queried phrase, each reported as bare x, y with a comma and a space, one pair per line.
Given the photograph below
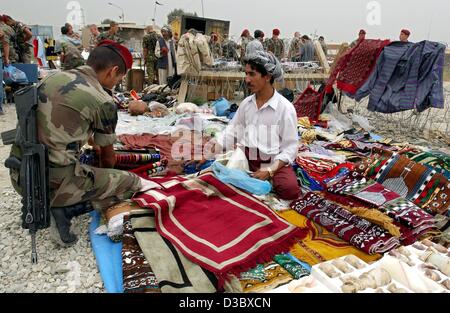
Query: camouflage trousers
81, 183
150, 66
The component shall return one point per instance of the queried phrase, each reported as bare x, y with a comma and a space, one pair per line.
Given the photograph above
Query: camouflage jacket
10, 37
294, 48
106, 35
72, 56
276, 46
149, 42
23, 45
72, 107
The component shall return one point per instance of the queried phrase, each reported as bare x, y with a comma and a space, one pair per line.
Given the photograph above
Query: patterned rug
355, 66
361, 233
321, 245
217, 226
175, 273
138, 276
405, 177
309, 104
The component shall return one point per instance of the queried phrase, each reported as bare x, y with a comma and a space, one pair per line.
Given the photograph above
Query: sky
337, 20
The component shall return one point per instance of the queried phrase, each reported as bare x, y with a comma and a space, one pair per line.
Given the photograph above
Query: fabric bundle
133, 158
316, 165
150, 170
361, 233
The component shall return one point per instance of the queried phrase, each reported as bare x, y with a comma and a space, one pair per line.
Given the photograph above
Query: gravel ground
58, 270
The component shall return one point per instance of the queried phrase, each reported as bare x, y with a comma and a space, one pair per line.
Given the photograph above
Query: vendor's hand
6, 62
261, 175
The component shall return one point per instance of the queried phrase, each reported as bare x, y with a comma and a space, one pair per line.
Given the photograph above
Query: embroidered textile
355, 66
359, 232
138, 276
196, 214
309, 104
321, 245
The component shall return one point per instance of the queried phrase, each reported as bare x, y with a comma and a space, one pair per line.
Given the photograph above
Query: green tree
107, 21
176, 13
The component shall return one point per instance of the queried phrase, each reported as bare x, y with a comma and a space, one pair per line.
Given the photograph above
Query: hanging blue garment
407, 76
241, 179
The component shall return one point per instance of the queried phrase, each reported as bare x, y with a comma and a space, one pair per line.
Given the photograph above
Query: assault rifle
33, 167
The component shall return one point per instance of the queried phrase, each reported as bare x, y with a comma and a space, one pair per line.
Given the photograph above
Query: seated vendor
74, 107
265, 126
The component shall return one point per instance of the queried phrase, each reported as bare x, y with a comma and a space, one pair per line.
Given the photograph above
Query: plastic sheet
241, 180
108, 256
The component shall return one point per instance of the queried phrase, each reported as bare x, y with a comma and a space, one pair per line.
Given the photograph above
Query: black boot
62, 221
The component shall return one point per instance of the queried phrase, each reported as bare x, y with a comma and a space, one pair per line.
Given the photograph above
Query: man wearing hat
149, 44
256, 44
275, 44
361, 37
23, 36
111, 34
404, 35
265, 127
215, 47
246, 38
166, 55
76, 107
9, 37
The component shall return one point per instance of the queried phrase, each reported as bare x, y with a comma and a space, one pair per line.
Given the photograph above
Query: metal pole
203, 9
154, 16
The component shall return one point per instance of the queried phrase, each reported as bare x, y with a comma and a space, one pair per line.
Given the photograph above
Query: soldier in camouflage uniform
75, 107
294, 48
111, 34
149, 44
10, 37
275, 45
23, 36
245, 40
94, 33
70, 53
215, 47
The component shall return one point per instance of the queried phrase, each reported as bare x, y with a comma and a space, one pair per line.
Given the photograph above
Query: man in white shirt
166, 55
265, 126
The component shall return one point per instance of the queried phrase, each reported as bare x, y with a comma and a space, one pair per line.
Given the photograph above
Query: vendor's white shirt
272, 129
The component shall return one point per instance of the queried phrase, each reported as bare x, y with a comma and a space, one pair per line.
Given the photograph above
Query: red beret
121, 50
245, 32
276, 32
406, 32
